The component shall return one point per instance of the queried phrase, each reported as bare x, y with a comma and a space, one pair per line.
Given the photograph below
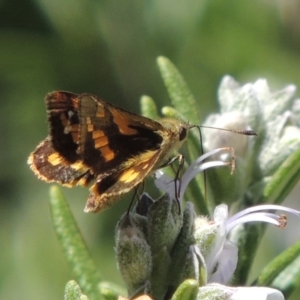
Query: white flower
217, 291
219, 253
212, 247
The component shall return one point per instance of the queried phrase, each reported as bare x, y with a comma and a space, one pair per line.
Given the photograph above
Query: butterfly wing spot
79, 165
90, 127
65, 121
97, 134
100, 113
107, 153
70, 114
143, 160
129, 176
70, 128
88, 124
55, 159
101, 142
123, 122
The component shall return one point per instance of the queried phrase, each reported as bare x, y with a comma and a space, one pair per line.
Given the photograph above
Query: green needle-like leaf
188, 290
171, 112
289, 279
148, 108
75, 250
181, 97
284, 179
73, 291
111, 291
279, 266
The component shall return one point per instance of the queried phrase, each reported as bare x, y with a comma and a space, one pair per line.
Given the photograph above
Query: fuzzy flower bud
133, 254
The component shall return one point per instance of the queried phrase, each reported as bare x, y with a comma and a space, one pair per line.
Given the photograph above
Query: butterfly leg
177, 172
137, 194
144, 204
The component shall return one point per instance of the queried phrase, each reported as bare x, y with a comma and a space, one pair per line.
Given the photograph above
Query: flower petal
217, 291
226, 265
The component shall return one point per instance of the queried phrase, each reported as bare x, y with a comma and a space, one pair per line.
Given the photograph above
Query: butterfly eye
182, 134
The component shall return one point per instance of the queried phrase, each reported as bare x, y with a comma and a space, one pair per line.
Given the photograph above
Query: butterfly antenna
243, 132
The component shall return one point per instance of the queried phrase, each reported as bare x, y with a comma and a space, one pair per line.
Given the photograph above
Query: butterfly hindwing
107, 188
50, 166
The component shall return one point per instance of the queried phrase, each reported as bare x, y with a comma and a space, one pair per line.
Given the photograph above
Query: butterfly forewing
110, 136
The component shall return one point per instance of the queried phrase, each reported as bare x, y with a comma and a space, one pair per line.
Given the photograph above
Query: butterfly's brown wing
90, 138
50, 166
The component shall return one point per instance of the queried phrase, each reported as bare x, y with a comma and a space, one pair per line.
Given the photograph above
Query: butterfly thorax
174, 135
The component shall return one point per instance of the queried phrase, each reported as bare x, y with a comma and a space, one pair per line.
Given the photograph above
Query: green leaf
284, 179
289, 279
181, 97
159, 278
148, 108
188, 290
283, 271
75, 250
180, 252
171, 112
111, 291
73, 291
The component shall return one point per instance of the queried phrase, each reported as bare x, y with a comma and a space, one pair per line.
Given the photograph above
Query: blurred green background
109, 48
